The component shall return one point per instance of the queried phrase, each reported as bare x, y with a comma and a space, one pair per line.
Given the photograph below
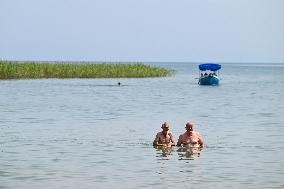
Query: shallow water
92, 133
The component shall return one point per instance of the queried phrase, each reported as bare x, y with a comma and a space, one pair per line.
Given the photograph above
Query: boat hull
209, 80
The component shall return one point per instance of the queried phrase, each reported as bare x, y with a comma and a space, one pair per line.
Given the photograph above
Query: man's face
165, 128
189, 128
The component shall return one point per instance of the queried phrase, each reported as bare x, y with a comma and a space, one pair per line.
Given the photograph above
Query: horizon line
118, 61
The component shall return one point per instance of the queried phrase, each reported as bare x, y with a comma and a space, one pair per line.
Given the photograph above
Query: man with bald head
190, 137
165, 137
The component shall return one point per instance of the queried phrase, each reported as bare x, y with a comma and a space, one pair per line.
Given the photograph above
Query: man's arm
201, 140
156, 141
173, 142
179, 141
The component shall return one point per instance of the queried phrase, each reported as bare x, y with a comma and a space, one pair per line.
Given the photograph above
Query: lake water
92, 133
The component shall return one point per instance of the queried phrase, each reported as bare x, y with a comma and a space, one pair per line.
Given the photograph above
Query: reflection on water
164, 153
184, 152
189, 152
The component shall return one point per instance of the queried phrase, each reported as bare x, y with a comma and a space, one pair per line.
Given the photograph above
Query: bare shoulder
159, 133
197, 133
182, 135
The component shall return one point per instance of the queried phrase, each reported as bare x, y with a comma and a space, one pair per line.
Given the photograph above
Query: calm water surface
91, 133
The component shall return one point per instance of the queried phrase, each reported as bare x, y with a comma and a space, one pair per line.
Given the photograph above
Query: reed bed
34, 70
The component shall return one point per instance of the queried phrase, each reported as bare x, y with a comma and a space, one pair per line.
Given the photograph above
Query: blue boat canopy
211, 67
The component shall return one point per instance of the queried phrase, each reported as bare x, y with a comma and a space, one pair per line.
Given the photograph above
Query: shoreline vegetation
41, 70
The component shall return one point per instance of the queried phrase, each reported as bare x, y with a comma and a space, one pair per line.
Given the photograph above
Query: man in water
190, 137
165, 137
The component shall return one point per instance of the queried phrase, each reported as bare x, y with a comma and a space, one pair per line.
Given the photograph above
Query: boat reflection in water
209, 74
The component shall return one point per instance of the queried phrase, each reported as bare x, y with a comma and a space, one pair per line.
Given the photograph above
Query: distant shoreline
73, 69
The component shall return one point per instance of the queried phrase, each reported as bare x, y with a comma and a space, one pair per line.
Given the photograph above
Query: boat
209, 74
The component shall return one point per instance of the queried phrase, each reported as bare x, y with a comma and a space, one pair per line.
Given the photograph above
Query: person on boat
190, 137
165, 137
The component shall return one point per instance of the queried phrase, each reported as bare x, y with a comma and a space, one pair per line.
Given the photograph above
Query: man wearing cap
165, 137
190, 137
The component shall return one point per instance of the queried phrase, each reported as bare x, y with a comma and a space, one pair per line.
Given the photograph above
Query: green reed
28, 70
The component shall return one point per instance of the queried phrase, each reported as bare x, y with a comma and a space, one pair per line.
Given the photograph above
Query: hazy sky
143, 30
